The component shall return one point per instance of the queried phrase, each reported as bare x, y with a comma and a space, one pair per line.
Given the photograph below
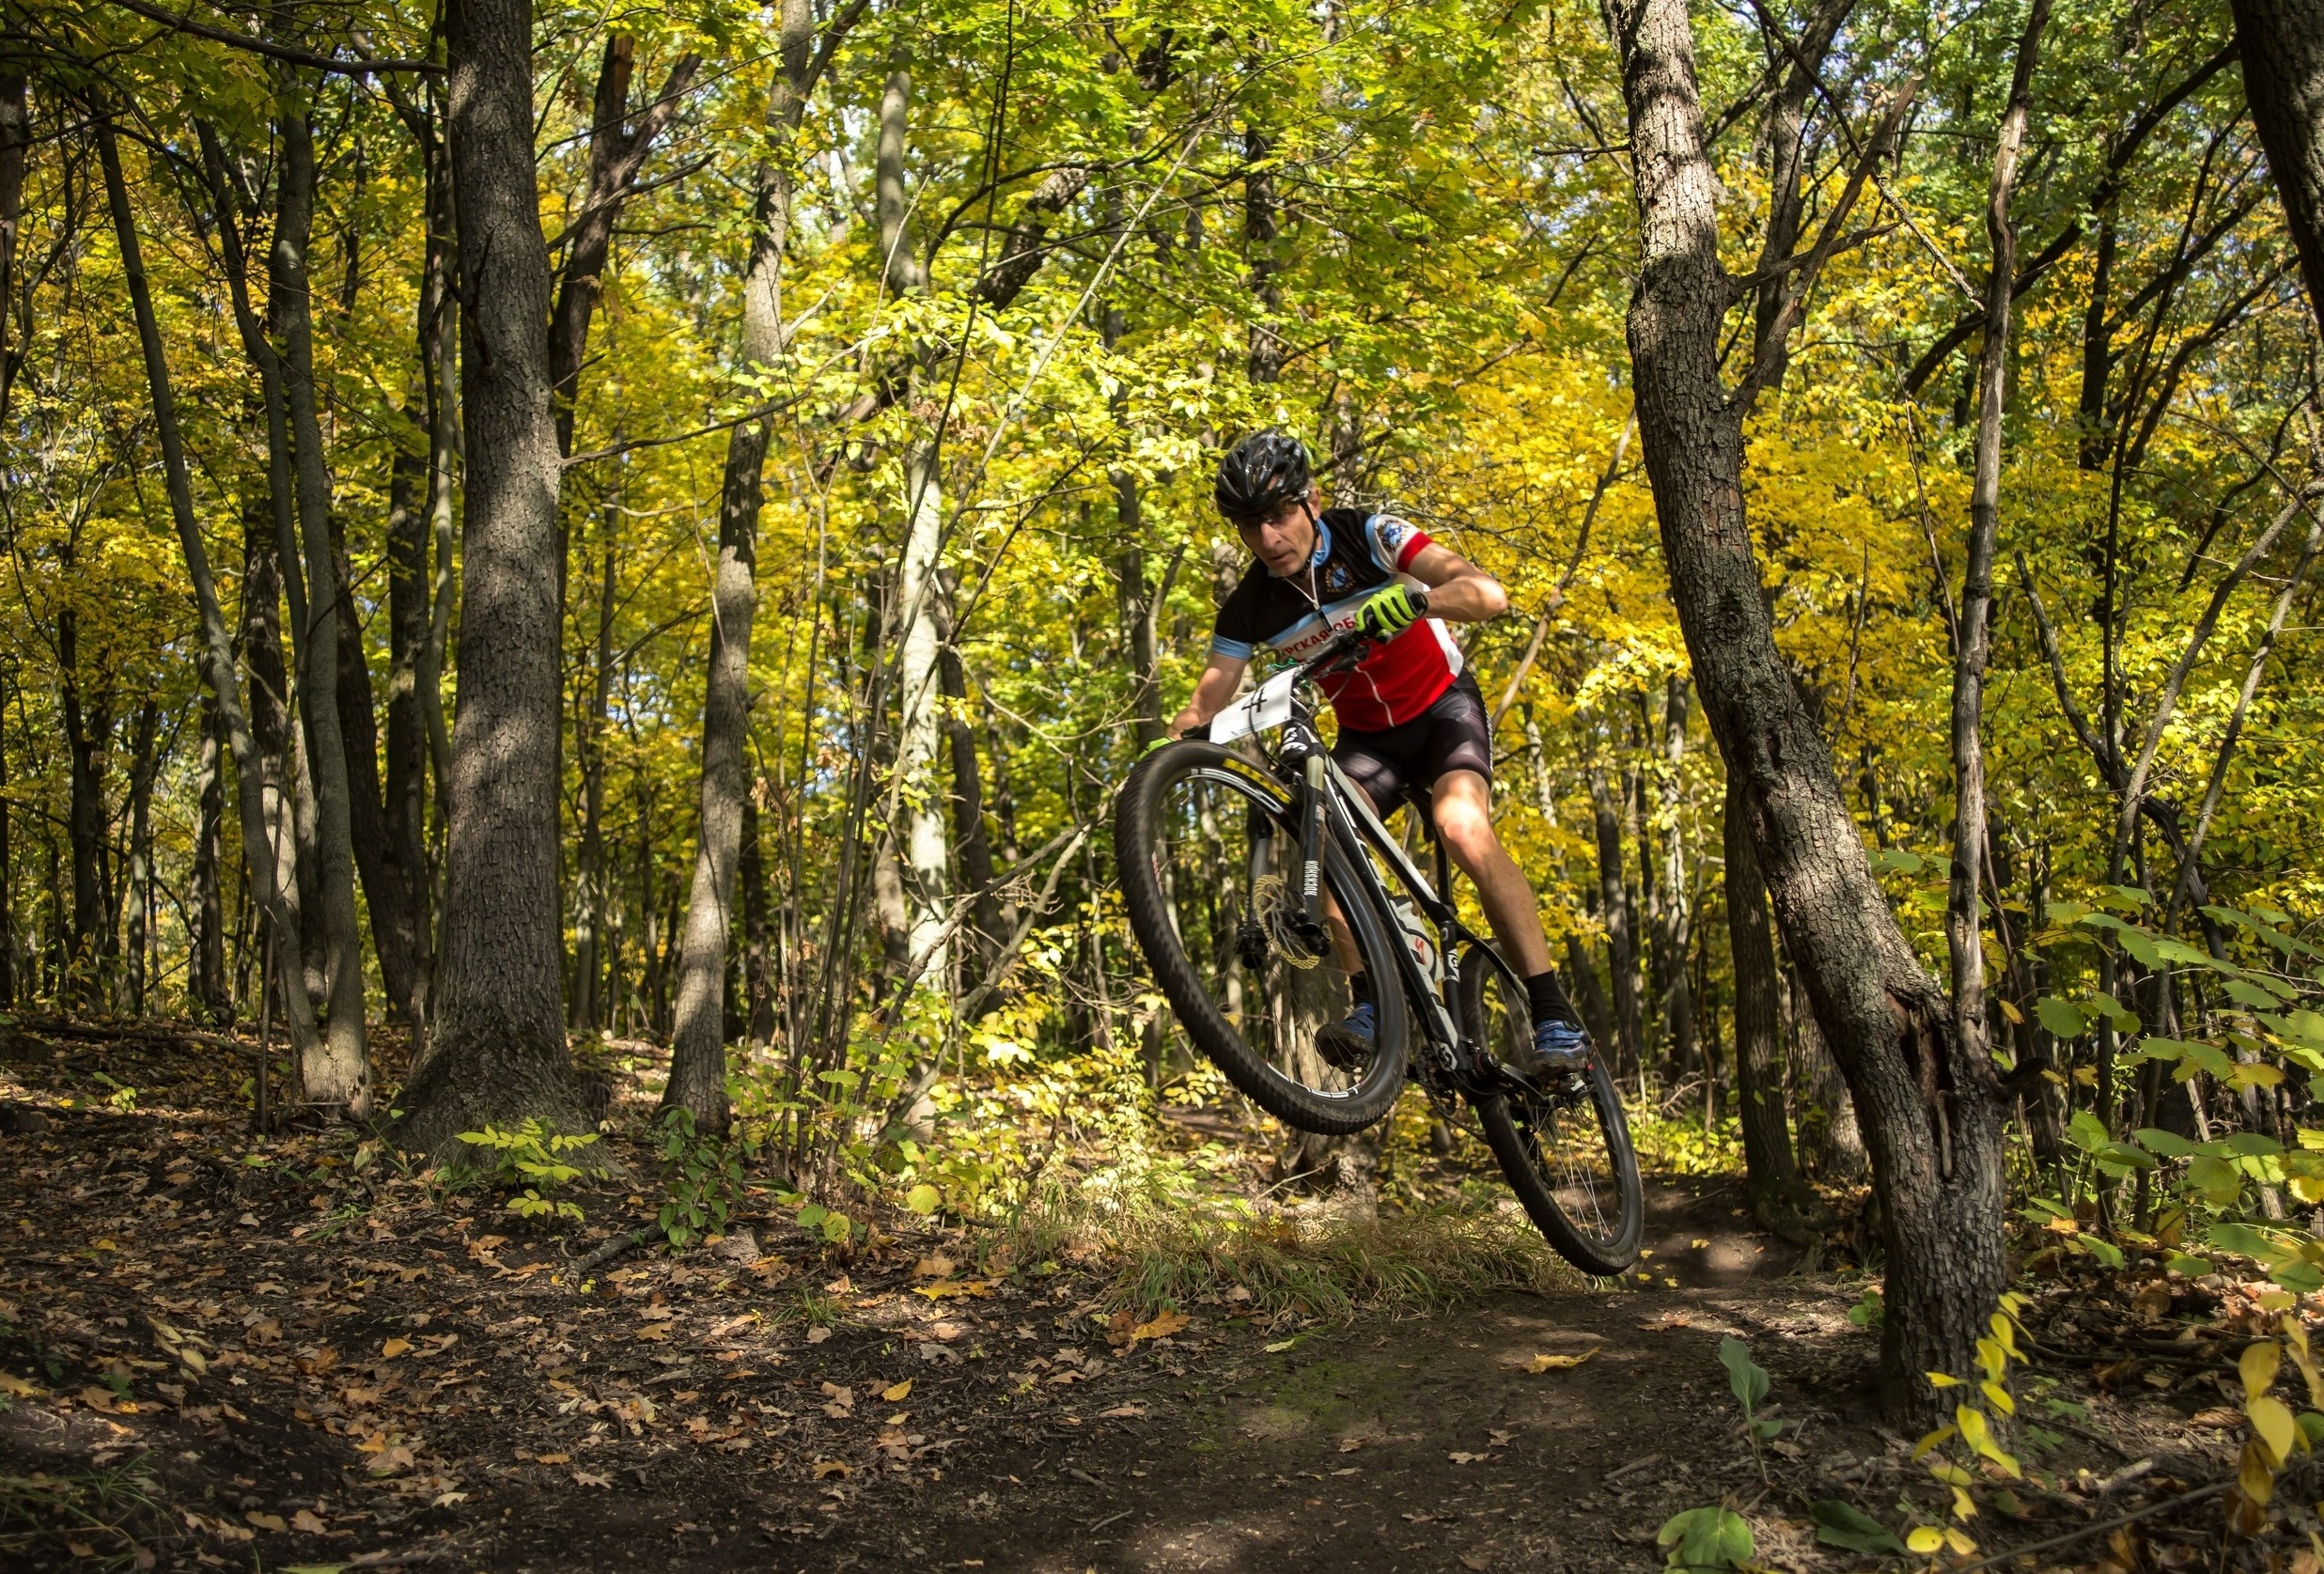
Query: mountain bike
1252, 875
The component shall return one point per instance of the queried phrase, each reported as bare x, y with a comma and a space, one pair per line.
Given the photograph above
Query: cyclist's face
1285, 539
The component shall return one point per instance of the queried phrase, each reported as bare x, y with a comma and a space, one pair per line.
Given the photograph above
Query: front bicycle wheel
1565, 1147
1210, 876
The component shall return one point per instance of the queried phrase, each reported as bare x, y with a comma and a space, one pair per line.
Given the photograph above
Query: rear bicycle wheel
1210, 876
1565, 1147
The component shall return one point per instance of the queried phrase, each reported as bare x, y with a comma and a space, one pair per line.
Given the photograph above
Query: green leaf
2170, 1145
1842, 1525
924, 1199
1747, 1378
2217, 1179
2100, 1248
1706, 1538
2060, 1017
2087, 1131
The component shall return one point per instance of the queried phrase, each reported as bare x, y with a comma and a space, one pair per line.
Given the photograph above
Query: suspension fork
1311, 843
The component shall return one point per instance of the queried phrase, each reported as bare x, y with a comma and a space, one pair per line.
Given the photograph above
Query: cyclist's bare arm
1212, 691
1458, 591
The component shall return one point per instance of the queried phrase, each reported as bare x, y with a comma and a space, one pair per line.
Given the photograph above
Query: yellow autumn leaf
1941, 1380
393, 1347
896, 1393
2273, 1423
2258, 1365
1924, 1539
1559, 1362
1998, 1396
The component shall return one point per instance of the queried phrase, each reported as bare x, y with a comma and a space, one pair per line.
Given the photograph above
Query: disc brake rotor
1298, 941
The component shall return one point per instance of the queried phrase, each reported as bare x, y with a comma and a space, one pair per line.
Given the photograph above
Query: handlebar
1343, 651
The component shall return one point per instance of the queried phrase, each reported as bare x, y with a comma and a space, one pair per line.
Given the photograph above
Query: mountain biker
1412, 721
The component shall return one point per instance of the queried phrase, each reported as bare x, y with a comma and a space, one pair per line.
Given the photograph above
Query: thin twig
2115, 1523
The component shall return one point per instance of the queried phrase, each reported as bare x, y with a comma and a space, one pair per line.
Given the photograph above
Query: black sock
1360, 987
1548, 1001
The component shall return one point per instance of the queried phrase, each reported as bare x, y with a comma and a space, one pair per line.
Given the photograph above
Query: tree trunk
88, 730
338, 1071
1973, 635
917, 680
697, 1055
15, 139
1931, 1113
273, 774
1771, 1176
1676, 932
217, 648
968, 795
8, 866
1613, 908
616, 154
206, 981
136, 889
758, 936
2281, 47
593, 895
498, 1048
404, 797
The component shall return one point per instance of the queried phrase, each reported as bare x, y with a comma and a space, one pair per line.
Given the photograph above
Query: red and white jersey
1356, 556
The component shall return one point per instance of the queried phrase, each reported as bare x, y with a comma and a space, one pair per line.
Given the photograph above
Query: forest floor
216, 1352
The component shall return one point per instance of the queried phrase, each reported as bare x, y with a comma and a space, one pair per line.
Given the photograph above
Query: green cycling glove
1392, 611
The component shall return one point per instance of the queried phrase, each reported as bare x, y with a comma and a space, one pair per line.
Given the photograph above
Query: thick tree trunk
217, 648
498, 1047
2280, 43
338, 1071
1972, 634
1931, 1112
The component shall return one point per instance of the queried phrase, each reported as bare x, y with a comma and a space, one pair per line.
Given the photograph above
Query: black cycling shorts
1453, 734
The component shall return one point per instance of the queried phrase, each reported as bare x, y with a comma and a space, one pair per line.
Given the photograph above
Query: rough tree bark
1972, 634
217, 652
498, 1047
2280, 43
1931, 1113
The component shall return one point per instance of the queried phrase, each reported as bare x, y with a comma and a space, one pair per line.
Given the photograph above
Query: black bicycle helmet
1260, 474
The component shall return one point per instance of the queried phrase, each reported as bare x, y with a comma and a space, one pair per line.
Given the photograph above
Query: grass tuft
1170, 1245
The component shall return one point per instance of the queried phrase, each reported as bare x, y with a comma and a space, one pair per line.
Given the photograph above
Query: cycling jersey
1356, 555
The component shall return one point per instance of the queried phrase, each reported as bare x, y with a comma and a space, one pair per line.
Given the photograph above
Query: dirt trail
1422, 1442
250, 1359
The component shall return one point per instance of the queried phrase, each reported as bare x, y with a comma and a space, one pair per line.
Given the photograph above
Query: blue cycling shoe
1558, 1047
1347, 1043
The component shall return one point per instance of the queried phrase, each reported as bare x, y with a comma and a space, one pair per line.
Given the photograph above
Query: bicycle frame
1324, 801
